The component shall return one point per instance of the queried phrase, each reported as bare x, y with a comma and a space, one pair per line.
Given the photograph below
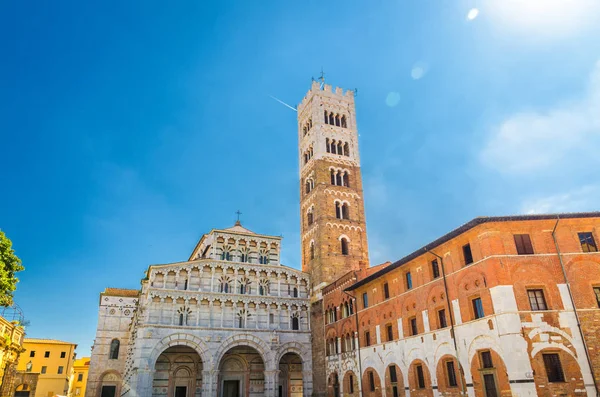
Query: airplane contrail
284, 104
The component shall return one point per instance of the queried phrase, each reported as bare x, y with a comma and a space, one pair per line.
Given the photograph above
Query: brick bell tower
333, 228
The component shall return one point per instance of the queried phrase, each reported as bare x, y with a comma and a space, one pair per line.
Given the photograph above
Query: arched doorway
178, 373
419, 379
241, 373
490, 377
333, 389
110, 384
350, 384
290, 376
22, 390
371, 383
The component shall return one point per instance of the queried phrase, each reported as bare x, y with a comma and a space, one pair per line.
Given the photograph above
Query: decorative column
212, 279
278, 284
210, 313
271, 383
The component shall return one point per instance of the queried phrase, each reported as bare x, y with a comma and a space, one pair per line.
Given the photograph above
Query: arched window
241, 319
340, 148
226, 253
337, 120
305, 131
263, 288
338, 210
331, 119
350, 308
244, 255
295, 323
263, 257
346, 179
114, 349
332, 174
325, 115
344, 245
309, 217
309, 124
224, 285
312, 250
345, 211
346, 149
185, 284
344, 124
244, 286
333, 147
295, 292
327, 147
338, 178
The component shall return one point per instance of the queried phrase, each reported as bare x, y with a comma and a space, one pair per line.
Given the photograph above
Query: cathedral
232, 321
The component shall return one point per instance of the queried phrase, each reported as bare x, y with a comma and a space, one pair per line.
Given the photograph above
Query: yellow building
52, 360
79, 377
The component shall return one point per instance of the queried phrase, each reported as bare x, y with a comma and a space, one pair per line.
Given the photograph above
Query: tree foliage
9, 265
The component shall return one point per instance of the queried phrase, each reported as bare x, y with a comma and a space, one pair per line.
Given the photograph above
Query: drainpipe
460, 368
362, 392
564, 272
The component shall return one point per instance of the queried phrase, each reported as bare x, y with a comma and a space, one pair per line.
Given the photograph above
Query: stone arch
497, 372
571, 372
483, 342
371, 389
110, 377
350, 383
397, 383
292, 347
445, 378
333, 384
443, 349
413, 381
181, 340
246, 340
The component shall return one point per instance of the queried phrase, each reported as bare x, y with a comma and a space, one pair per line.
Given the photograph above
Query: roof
47, 341
464, 228
239, 228
131, 293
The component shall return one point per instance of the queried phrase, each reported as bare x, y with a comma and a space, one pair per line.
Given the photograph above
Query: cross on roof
238, 215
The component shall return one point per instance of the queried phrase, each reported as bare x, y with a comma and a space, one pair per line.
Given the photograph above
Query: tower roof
238, 228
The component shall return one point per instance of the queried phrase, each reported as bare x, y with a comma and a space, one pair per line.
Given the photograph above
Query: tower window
331, 119
325, 116
344, 246
337, 120
114, 349
295, 323
344, 124
346, 179
346, 149
309, 217
327, 147
597, 293
338, 210
312, 250
340, 148
338, 178
588, 244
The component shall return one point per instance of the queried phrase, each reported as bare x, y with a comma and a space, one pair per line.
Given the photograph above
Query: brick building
500, 306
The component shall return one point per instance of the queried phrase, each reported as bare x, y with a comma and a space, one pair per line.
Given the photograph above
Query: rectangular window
435, 269
371, 381
553, 368
597, 293
44, 368
523, 243
413, 326
351, 380
467, 254
390, 333
271, 318
393, 377
365, 300
60, 369
486, 359
63, 354
79, 377
386, 291
536, 299
46, 354
420, 377
32, 353
588, 244
408, 280
442, 319
477, 308
451, 374
367, 338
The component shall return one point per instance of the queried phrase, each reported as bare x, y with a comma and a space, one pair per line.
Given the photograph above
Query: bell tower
333, 227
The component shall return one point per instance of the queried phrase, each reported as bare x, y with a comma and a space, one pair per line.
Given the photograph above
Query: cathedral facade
232, 321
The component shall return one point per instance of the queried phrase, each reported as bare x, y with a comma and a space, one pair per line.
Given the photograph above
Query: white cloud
581, 199
392, 99
419, 70
534, 19
532, 141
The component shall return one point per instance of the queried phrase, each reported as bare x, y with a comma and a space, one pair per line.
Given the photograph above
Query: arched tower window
346, 149
295, 323
340, 148
333, 147
346, 179
344, 245
312, 250
310, 216
114, 349
331, 119
325, 116
337, 120
244, 286
295, 292
327, 145
344, 124
263, 257
332, 174
338, 178
345, 211
224, 285
263, 288
338, 210
242, 318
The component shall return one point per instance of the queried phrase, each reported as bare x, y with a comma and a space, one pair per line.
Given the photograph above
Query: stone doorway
290, 376
178, 373
241, 371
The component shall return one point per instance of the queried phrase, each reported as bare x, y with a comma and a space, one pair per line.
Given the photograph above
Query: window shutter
519, 244
527, 244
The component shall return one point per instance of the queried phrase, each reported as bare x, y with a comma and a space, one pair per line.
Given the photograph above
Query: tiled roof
464, 228
121, 292
48, 341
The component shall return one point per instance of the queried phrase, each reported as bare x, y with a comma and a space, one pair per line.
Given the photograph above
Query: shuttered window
523, 243
536, 299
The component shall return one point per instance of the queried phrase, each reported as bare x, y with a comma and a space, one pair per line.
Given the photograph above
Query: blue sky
131, 128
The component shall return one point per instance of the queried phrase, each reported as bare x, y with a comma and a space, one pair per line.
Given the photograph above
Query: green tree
9, 265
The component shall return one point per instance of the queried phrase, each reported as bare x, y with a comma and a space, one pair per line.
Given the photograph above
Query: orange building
500, 306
